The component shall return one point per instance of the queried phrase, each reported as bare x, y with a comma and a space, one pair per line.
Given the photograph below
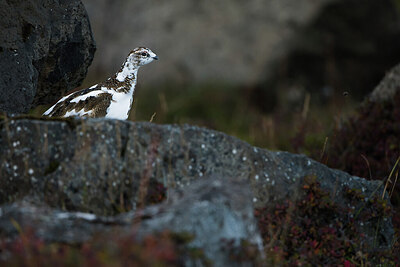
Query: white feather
80, 113
83, 97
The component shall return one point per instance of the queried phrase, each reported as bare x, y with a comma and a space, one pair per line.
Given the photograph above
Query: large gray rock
213, 210
45, 50
98, 166
337, 44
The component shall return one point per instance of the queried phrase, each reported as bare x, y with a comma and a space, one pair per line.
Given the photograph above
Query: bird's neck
125, 79
128, 71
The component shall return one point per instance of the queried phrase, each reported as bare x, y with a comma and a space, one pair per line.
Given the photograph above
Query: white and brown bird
112, 98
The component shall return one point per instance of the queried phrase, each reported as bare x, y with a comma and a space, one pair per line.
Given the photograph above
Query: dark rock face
343, 49
45, 50
99, 165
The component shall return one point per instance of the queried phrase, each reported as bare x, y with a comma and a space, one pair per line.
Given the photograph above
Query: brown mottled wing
99, 105
96, 104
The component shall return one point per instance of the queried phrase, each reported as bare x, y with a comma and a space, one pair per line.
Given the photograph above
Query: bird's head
141, 56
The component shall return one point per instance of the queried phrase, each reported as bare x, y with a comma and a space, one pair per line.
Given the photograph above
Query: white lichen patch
80, 215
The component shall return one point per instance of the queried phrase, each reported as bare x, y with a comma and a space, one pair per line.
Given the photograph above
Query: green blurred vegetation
301, 127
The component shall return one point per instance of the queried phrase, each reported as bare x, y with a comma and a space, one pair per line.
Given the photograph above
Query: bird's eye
145, 54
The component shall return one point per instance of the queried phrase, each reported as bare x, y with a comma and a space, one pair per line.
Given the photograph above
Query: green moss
52, 167
182, 237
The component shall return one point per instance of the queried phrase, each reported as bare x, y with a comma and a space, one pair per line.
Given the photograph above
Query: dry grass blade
306, 106
389, 178
324, 149
394, 184
369, 167
153, 116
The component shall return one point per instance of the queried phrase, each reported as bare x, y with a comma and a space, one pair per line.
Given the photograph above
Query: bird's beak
155, 57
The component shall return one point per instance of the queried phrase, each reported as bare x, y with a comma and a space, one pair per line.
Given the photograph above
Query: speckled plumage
112, 98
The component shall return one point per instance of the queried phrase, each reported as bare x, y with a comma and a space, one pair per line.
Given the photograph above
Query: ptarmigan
112, 98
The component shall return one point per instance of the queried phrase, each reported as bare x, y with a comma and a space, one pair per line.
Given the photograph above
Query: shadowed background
253, 69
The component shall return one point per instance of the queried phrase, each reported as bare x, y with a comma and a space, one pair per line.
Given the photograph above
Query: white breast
120, 105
